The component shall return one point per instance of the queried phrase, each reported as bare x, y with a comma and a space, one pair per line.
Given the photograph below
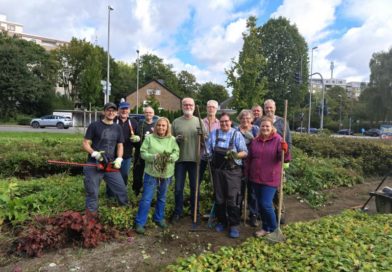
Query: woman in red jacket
263, 169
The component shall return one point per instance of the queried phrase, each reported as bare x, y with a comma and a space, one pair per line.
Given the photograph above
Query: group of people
244, 162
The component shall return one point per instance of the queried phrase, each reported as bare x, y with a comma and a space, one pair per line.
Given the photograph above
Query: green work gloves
98, 155
286, 165
117, 163
135, 138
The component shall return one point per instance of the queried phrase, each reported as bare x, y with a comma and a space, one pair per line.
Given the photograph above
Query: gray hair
245, 112
213, 103
269, 101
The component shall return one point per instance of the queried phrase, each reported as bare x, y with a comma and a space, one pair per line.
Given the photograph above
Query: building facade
155, 88
16, 29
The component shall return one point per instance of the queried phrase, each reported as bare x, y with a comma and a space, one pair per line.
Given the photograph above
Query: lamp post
137, 82
340, 112
110, 8
311, 88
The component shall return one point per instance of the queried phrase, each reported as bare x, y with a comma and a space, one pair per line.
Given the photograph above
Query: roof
160, 83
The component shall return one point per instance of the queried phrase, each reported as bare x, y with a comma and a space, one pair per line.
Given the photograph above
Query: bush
352, 241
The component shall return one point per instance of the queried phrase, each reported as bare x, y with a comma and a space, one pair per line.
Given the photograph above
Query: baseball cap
124, 105
110, 105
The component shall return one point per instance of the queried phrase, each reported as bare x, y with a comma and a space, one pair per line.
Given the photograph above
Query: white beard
188, 112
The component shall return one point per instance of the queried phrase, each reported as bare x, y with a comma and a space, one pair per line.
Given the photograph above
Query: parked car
374, 132
52, 121
345, 131
305, 130
139, 117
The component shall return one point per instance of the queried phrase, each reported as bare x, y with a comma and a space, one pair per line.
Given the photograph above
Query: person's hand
98, 155
179, 138
117, 163
135, 138
285, 146
231, 154
286, 165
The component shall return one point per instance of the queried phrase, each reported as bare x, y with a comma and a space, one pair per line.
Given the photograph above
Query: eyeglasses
188, 105
224, 121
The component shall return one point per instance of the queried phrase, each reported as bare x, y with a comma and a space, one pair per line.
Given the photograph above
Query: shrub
352, 241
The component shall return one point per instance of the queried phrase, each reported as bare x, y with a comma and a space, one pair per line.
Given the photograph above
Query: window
153, 92
11, 27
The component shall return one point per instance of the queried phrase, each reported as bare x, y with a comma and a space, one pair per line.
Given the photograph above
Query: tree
123, 80
245, 76
210, 91
90, 89
378, 96
27, 75
152, 67
81, 64
286, 53
188, 86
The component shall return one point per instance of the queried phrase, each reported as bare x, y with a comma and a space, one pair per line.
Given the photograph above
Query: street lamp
311, 88
340, 112
137, 82
110, 8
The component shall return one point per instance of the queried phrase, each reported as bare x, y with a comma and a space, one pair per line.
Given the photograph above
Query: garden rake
277, 236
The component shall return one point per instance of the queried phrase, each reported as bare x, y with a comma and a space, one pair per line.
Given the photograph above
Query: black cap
110, 105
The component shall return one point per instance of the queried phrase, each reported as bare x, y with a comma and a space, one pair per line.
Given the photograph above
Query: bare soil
155, 250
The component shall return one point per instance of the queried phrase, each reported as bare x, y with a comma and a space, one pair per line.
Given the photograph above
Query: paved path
47, 129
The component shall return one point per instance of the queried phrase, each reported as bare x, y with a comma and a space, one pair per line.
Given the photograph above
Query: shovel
200, 136
277, 236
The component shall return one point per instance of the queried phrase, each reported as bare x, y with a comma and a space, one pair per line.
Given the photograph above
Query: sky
202, 37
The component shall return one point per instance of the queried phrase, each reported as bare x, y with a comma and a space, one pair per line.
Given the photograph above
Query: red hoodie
263, 164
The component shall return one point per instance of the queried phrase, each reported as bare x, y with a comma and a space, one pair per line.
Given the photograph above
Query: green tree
378, 96
76, 73
27, 75
188, 86
210, 91
90, 89
123, 80
286, 53
152, 67
245, 76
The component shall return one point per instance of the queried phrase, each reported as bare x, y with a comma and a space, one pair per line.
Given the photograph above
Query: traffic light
297, 78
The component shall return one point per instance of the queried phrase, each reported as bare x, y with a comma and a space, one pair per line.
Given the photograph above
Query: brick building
166, 98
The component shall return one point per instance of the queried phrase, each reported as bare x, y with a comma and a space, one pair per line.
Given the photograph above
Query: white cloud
311, 17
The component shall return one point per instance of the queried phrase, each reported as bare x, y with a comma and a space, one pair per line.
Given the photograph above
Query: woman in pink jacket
263, 169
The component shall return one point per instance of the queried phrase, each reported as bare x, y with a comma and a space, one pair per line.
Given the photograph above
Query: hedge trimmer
106, 167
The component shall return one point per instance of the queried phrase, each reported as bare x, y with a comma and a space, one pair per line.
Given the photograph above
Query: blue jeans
114, 181
124, 170
265, 195
181, 169
150, 183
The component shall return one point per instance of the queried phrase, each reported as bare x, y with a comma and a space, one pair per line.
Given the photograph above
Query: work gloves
179, 138
135, 139
286, 165
231, 154
117, 163
98, 155
285, 147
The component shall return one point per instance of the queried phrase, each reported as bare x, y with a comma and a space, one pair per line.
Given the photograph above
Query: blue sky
203, 36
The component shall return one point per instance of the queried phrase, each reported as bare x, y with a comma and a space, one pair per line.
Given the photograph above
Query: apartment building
16, 29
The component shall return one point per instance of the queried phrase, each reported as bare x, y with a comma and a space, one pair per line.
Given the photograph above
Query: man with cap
129, 127
104, 144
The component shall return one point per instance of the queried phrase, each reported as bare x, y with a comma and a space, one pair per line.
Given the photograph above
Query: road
47, 129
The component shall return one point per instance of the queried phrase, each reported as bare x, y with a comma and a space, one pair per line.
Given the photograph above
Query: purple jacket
263, 164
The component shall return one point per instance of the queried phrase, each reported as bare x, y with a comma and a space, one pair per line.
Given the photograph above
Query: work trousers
227, 187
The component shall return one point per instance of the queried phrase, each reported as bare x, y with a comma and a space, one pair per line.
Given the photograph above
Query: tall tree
123, 80
378, 95
76, 61
245, 75
188, 86
286, 53
27, 75
152, 67
210, 91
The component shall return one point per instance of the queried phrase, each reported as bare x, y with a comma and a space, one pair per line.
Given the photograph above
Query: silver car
52, 121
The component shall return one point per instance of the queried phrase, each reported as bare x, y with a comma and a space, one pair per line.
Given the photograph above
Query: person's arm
87, 146
175, 153
145, 150
120, 150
